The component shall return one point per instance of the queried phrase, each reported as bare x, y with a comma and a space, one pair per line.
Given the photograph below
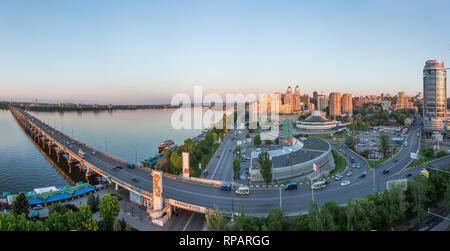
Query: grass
340, 161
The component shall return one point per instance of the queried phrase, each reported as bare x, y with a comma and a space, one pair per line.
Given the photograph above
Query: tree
20, 205
350, 141
419, 189
267, 142
384, 143
86, 223
265, 167
274, 219
277, 141
315, 223
92, 202
176, 163
257, 140
57, 208
236, 167
109, 210
216, 221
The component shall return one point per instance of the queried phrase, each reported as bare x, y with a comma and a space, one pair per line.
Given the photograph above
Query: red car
408, 175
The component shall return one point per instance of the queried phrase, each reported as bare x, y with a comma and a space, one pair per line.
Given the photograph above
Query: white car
345, 183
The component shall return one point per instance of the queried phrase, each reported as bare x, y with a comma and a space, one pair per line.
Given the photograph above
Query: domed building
316, 122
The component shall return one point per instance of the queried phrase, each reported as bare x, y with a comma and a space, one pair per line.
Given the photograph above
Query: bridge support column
116, 187
43, 141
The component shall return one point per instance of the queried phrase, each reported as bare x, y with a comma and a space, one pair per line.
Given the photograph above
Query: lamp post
312, 189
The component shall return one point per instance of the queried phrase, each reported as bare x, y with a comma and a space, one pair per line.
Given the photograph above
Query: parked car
385, 171
38, 207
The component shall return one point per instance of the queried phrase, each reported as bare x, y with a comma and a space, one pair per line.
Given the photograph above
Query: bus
318, 185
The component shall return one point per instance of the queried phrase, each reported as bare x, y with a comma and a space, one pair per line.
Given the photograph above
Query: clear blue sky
146, 51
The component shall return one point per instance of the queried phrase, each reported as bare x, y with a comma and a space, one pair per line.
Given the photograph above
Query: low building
316, 122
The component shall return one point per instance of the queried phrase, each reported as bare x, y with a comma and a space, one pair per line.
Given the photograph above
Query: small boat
166, 145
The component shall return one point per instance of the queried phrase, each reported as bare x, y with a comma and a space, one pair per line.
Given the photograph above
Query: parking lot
370, 140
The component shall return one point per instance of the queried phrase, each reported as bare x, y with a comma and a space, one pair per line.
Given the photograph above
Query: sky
144, 52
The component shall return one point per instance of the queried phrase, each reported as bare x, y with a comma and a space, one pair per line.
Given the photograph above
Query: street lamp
312, 189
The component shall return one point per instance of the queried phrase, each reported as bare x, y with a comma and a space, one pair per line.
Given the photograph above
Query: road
260, 200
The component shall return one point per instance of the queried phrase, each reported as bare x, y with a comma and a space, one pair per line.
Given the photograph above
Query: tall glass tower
434, 96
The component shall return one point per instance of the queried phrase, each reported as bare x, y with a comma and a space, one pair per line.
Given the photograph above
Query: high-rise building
335, 104
297, 90
347, 103
434, 95
403, 101
322, 102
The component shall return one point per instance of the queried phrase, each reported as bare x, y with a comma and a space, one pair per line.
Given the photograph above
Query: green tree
109, 210
350, 141
216, 221
86, 223
92, 202
419, 189
257, 140
20, 205
315, 222
57, 207
176, 163
384, 143
277, 141
236, 167
265, 166
275, 219
267, 142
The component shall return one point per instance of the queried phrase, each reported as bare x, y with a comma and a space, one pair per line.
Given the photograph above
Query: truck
352, 159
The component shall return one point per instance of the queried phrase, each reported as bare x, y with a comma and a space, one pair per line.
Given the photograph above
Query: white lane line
184, 229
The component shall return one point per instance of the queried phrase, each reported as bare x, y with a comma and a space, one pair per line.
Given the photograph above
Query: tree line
380, 211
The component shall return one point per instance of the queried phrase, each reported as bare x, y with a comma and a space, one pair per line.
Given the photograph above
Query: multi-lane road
260, 200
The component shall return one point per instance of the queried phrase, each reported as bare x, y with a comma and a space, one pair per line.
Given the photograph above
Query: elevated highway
198, 197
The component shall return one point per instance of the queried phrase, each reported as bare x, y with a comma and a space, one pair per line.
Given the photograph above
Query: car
395, 161
120, 167
135, 180
327, 182
362, 175
93, 153
131, 166
345, 183
408, 175
205, 173
38, 207
338, 177
291, 186
225, 187
349, 173
385, 171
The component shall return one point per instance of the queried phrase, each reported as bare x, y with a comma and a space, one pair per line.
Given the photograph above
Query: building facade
335, 104
434, 96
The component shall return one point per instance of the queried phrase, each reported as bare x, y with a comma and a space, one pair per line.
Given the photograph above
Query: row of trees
199, 152
65, 218
381, 211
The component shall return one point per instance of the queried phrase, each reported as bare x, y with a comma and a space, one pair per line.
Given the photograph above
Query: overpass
196, 195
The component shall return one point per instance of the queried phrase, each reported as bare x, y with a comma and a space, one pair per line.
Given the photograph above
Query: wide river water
127, 134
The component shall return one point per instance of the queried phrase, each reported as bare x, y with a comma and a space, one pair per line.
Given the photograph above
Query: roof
316, 117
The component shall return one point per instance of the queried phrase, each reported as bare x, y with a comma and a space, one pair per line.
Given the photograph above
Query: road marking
184, 229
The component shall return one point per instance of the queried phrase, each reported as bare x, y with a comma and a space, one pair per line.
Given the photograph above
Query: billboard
158, 202
185, 156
